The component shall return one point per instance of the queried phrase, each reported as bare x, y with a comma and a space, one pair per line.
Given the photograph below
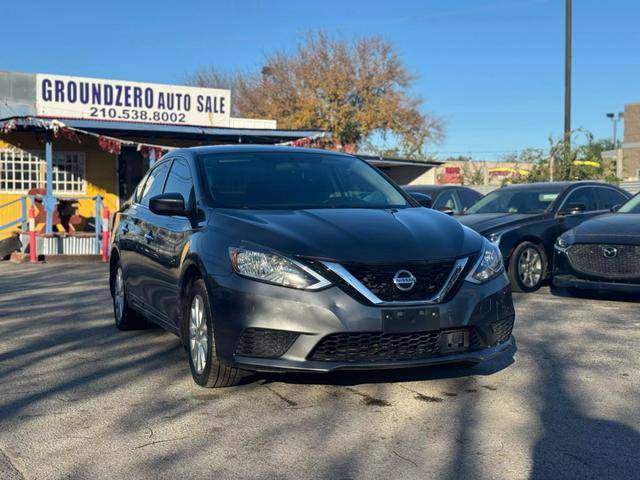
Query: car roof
437, 188
212, 149
431, 188
556, 185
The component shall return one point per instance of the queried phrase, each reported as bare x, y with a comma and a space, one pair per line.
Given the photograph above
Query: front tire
527, 267
206, 369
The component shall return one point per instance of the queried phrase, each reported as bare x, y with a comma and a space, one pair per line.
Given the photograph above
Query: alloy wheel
198, 337
530, 267
118, 294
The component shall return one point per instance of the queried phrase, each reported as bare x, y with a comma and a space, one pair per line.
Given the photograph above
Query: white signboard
60, 96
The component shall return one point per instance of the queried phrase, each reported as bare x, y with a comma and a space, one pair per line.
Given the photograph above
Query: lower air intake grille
264, 343
381, 347
502, 329
608, 261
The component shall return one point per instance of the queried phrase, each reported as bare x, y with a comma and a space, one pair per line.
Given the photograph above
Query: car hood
411, 234
486, 222
614, 228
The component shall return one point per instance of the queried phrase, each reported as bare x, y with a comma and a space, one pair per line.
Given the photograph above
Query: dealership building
79, 138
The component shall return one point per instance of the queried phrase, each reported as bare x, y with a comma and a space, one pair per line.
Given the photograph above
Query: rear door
127, 237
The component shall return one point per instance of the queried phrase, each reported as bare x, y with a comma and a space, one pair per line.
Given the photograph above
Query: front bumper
565, 276
571, 281
306, 318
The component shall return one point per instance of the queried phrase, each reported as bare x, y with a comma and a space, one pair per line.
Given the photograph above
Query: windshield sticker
547, 197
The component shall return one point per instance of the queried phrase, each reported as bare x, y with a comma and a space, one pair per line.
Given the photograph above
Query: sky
493, 70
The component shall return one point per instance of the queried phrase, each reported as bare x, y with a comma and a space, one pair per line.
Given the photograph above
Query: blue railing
29, 200
22, 220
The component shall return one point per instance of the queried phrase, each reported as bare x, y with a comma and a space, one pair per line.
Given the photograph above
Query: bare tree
354, 90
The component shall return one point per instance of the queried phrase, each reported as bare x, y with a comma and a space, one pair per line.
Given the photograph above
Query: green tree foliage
355, 90
472, 173
582, 160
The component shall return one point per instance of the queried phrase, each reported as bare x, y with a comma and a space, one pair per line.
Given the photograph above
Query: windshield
274, 180
632, 206
516, 200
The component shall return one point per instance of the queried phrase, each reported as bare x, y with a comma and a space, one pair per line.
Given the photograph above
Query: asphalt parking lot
78, 399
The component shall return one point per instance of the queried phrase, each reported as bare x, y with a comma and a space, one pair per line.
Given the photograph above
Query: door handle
149, 237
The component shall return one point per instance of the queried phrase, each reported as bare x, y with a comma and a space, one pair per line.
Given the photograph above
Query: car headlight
489, 266
275, 269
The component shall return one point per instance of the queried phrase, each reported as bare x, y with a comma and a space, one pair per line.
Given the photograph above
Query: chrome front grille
377, 283
608, 261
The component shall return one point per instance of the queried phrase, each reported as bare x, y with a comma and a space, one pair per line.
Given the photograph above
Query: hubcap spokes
118, 296
198, 340
530, 267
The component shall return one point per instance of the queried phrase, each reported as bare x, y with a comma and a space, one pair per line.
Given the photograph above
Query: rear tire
527, 267
125, 317
206, 369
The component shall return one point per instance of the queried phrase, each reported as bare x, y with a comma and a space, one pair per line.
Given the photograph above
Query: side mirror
448, 211
422, 198
168, 204
615, 208
573, 209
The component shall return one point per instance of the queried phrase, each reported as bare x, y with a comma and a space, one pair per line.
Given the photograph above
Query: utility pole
567, 74
615, 120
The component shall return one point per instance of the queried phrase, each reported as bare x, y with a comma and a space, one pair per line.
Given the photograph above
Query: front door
131, 168
170, 243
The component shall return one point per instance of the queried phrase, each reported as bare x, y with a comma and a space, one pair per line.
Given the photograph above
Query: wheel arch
192, 270
526, 238
114, 258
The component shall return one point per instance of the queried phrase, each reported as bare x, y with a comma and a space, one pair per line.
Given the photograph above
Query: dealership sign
60, 96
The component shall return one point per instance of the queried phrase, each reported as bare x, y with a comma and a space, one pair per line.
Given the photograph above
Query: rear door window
447, 201
609, 198
468, 198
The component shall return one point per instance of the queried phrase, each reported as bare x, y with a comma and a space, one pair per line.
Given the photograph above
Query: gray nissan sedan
285, 259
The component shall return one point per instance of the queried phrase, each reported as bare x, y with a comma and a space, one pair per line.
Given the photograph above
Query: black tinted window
582, 196
608, 197
137, 194
468, 197
446, 201
285, 180
179, 181
517, 200
153, 185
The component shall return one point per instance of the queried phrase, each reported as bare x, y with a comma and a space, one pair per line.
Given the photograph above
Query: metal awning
382, 161
126, 130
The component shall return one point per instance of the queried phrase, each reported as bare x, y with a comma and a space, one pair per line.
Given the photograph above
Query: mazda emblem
610, 252
404, 280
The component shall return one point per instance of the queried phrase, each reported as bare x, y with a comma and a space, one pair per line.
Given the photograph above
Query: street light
615, 119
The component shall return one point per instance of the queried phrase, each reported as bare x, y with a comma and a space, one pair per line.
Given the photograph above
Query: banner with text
60, 96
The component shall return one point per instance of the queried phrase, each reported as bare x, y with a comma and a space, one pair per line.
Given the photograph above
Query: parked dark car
273, 258
451, 199
525, 221
602, 253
